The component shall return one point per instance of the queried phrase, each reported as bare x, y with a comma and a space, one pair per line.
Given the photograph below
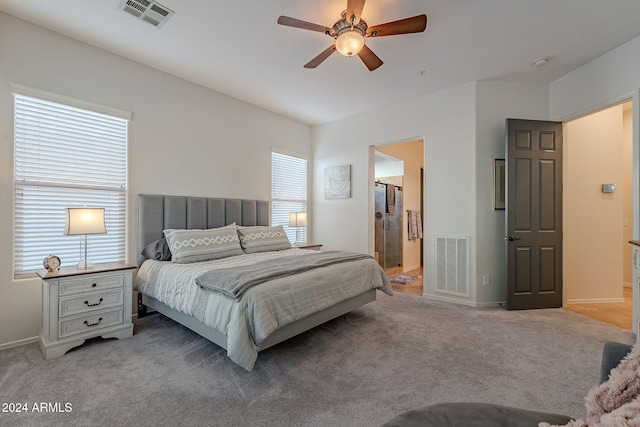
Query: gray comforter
234, 281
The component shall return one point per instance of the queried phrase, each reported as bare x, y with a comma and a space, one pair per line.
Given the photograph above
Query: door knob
511, 238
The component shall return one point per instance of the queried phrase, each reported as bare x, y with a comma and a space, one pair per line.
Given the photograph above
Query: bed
241, 319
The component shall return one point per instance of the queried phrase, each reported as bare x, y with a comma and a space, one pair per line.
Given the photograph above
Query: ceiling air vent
149, 11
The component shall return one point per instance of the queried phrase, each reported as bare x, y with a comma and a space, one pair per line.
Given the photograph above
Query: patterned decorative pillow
263, 239
202, 245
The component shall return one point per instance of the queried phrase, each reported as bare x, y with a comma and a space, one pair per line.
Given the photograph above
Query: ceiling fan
350, 32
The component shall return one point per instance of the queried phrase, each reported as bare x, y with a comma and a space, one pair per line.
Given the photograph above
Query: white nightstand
81, 303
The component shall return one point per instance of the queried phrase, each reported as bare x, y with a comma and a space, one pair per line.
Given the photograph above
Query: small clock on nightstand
51, 263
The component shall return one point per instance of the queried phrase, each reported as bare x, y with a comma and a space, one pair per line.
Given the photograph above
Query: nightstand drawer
90, 322
89, 302
91, 283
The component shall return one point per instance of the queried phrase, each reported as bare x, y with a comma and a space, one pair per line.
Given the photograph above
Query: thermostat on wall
608, 188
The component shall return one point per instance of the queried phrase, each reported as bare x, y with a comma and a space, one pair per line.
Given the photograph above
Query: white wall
611, 78
183, 139
446, 122
592, 220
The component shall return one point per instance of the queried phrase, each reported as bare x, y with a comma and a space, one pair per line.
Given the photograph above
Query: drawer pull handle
93, 305
94, 285
93, 324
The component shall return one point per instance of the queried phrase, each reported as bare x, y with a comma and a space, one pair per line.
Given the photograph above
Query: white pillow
263, 239
202, 245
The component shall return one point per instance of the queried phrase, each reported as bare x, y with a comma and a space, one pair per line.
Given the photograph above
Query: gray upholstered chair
463, 414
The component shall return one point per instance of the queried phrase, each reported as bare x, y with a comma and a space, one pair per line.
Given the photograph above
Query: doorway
598, 222
397, 176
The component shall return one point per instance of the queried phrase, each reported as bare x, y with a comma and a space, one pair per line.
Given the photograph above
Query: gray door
534, 214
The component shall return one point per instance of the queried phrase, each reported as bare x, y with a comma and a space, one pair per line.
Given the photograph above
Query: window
66, 156
288, 192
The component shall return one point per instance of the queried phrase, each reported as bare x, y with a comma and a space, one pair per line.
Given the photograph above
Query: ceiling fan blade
369, 58
297, 23
323, 55
354, 10
415, 24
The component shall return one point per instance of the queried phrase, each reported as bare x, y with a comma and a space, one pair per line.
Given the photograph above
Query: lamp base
85, 263
298, 241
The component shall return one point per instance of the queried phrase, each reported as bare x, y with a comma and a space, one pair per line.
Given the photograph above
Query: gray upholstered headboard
157, 213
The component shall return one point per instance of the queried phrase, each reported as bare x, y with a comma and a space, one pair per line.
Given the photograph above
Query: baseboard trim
496, 304
595, 301
18, 343
31, 340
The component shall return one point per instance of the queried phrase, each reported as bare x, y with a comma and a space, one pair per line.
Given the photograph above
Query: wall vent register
148, 11
452, 265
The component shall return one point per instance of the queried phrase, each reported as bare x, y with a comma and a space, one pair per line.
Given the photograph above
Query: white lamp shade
85, 221
297, 219
350, 43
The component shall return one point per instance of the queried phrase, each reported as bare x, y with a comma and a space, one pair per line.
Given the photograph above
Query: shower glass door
388, 225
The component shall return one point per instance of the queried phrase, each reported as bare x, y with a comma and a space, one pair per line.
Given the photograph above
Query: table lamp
85, 221
298, 220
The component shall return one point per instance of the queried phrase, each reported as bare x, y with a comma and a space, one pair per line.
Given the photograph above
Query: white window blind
288, 191
66, 157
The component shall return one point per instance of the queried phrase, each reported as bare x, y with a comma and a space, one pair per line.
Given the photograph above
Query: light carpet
362, 369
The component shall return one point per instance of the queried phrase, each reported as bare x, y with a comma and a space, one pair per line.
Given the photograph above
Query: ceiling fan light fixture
349, 33
350, 42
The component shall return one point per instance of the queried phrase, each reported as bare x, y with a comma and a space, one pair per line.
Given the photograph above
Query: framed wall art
498, 184
337, 182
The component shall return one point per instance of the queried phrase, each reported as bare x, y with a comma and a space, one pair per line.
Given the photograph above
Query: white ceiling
237, 48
